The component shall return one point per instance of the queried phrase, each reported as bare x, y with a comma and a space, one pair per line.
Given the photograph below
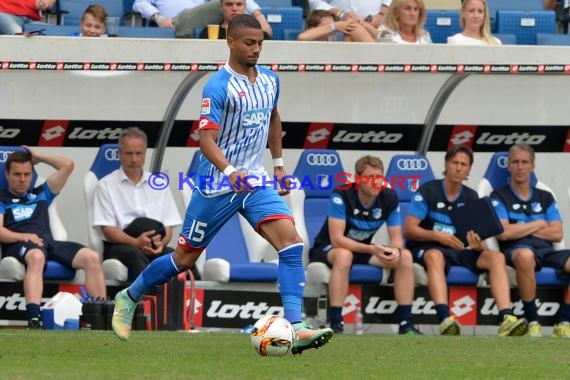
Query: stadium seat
403, 173
526, 24
145, 32
11, 268
554, 39
106, 161
507, 38
317, 171
274, 3
282, 18
53, 30
497, 176
441, 24
511, 5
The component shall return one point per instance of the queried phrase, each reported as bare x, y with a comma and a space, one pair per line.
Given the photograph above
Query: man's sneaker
337, 328
561, 330
513, 326
410, 331
123, 315
534, 330
306, 337
34, 324
450, 326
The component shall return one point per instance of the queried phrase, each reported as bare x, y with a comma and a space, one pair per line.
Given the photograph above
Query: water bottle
359, 323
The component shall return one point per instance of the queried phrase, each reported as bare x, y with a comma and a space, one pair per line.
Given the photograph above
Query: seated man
25, 229
532, 223
230, 9
135, 219
354, 216
431, 239
165, 12
321, 26
14, 14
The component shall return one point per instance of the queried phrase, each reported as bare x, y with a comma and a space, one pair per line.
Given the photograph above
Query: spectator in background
25, 231
475, 24
371, 11
14, 14
531, 222
135, 219
230, 9
430, 236
354, 216
94, 22
321, 26
193, 13
404, 23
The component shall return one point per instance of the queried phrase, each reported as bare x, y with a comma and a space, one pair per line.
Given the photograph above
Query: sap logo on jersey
23, 212
256, 118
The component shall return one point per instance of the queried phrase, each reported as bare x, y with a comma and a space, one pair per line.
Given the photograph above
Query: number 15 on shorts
196, 233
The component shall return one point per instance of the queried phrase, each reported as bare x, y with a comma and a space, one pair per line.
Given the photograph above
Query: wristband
229, 170
340, 15
278, 162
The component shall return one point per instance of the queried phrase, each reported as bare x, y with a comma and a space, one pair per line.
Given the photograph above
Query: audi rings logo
4, 155
503, 162
322, 159
412, 164
112, 154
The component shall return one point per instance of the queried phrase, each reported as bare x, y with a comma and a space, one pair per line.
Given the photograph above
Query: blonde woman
404, 23
475, 24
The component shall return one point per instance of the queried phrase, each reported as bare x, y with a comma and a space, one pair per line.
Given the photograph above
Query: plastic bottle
359, 323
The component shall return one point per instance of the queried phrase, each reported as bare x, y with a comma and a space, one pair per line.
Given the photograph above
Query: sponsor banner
53, 132
547, 301
375, 137
238, 309
352, 303
379, 305
317, 136
462, 135
13, 303
463, 304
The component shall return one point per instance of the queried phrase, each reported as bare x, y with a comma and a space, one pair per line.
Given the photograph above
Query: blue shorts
207, 215
61, 251
465, 257
319, 254
544, 257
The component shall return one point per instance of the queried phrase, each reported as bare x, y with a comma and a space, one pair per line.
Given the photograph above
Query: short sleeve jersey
540, 206
29, 213
361, 222
431, 205
241, 112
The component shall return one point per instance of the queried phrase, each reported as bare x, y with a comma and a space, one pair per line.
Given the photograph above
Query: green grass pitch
28, 354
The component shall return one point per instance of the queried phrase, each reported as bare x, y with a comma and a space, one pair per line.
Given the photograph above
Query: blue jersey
432, 206
241, 111
29, 213
540, 206
361, 222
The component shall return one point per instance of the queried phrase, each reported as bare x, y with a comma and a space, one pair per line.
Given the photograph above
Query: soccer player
532, 223
431, 239
239, 118
354, 216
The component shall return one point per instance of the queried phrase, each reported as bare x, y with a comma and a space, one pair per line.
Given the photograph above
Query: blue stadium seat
53, 30
554, 39
145, 32
441, 24
12, 269
401, 173
274, 3
507, 38
511, 5
290, 18
497, 176
526, 24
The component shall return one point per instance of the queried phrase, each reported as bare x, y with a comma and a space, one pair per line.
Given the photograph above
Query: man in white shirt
125, 196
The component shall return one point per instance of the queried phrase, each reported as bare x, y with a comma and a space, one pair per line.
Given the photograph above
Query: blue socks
291, 277
156, 273
442, 311
530, 311
405, 313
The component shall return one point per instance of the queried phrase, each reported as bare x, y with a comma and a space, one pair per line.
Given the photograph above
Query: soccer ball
272, 335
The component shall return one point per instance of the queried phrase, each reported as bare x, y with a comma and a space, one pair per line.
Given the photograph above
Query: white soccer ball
272, 335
